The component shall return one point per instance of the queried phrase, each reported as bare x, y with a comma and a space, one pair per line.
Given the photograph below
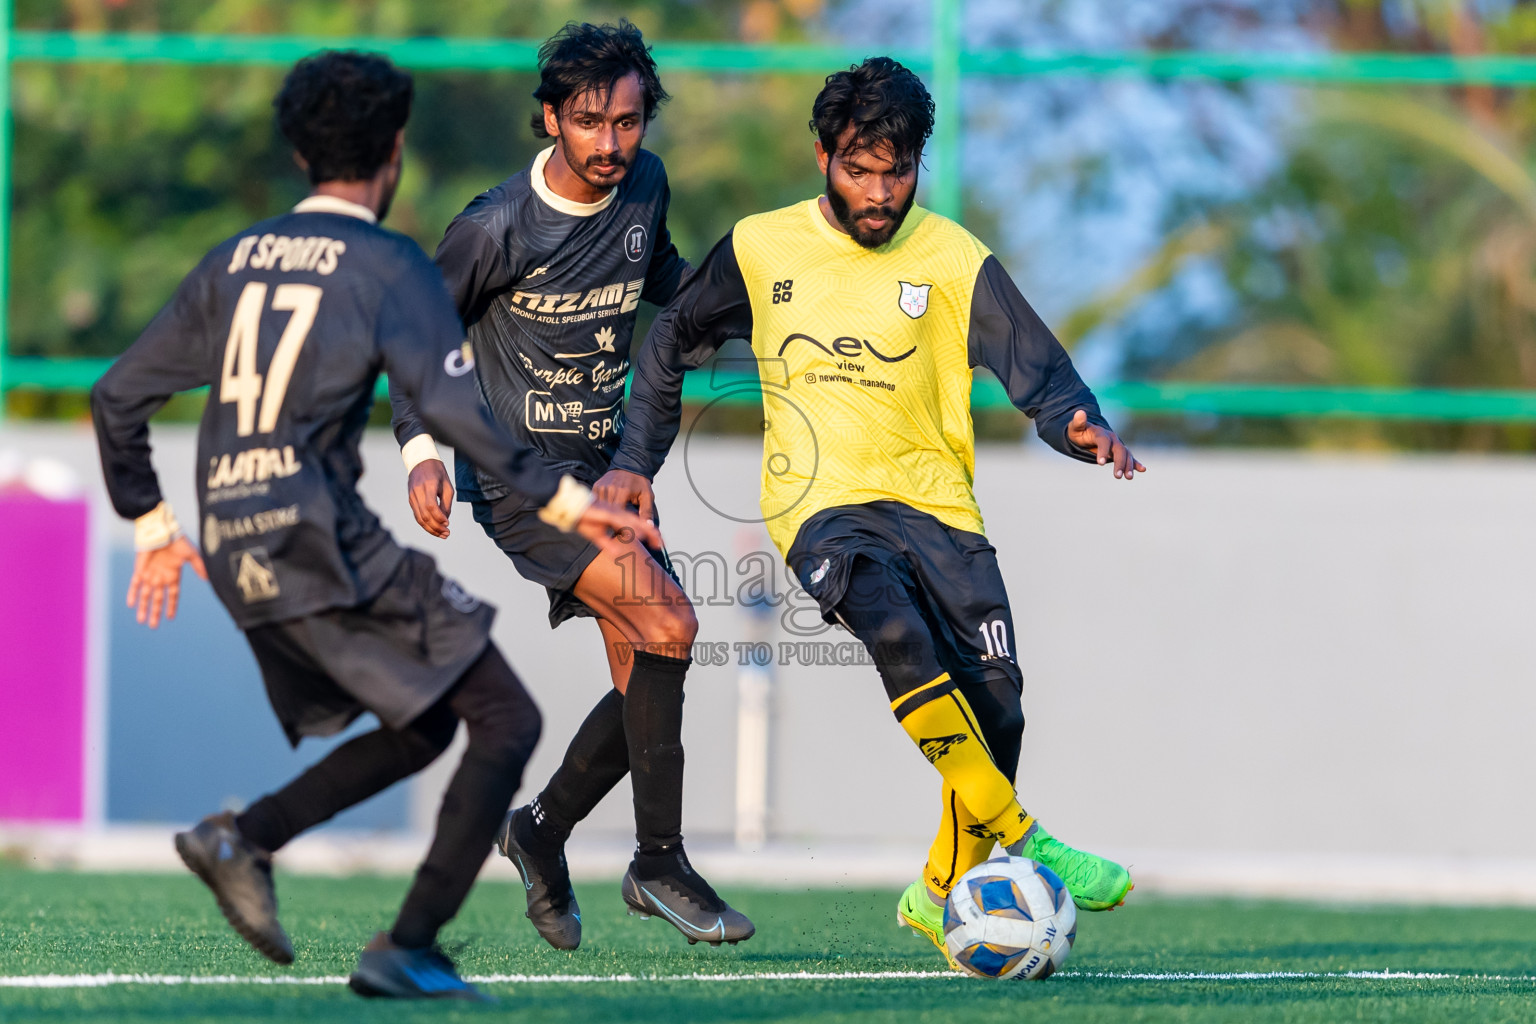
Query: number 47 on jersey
240, 383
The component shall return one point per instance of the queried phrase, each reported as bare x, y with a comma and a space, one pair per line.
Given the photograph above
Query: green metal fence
944, 64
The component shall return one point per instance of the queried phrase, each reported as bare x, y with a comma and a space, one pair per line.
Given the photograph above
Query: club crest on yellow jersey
914, 298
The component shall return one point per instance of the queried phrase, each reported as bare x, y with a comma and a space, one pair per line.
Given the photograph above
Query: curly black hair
882, 100
341, 110
591, 58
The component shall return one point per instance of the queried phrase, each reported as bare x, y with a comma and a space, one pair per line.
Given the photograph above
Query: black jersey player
290, 322
548, 269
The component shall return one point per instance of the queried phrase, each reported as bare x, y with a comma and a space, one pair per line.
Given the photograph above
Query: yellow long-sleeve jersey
865, 358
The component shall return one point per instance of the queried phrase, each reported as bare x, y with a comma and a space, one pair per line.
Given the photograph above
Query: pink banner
43, 551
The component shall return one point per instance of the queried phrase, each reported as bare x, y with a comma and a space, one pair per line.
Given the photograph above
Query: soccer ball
1010, 918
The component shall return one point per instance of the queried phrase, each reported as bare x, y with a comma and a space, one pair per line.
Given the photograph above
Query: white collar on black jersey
334, 204
543, 191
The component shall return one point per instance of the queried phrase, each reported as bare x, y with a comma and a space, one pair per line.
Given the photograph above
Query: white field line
105, 980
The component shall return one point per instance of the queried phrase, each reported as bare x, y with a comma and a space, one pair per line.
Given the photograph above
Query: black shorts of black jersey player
544, 555
396, 655
926, 599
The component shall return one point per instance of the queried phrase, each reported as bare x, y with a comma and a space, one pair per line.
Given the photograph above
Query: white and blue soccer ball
1010, 918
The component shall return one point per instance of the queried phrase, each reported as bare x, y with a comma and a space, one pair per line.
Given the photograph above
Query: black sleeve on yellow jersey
474, 268
1010, 339
172, 355
668, 270
711, 308
419, 338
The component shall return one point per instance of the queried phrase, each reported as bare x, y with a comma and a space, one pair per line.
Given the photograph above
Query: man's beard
849, 219
607, 166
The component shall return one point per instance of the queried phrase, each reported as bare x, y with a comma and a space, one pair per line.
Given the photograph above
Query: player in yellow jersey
867, 315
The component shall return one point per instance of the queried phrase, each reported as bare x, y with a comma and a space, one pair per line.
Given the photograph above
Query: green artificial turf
63, 923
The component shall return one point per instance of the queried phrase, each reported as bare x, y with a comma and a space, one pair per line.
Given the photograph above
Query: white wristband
568, 504
156, 528
418, 450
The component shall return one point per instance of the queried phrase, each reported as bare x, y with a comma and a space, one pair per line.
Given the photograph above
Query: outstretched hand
1090, 435
612, 529
623, 489
156, 582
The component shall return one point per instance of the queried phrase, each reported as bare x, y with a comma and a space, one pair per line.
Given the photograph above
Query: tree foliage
125, 175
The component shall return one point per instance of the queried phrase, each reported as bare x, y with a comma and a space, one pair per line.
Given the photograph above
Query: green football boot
916, 911
1095, 883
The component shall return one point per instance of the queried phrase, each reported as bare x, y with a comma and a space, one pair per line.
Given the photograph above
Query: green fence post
944, 195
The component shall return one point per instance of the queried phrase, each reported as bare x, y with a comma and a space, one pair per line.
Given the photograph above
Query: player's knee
503, 722
1009, 722
898, 643
679, 626
507, 735
429, 736
669, 629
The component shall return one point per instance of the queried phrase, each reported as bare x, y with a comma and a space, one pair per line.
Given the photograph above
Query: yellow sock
941, 723
962, 843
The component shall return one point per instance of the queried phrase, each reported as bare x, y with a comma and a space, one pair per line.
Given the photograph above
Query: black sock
503, 727
348, 775
653, 724
650, 864
595, 762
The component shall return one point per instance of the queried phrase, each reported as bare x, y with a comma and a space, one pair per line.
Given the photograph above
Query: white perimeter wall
1275, 654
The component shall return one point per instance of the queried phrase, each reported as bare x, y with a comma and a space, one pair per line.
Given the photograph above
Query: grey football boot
240, 875
552, 903
387, 971
686, 901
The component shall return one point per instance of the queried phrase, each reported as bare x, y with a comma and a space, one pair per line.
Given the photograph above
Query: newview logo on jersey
845, 348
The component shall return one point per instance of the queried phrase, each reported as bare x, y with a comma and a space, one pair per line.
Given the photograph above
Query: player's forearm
1008, 337
458, 417
1063, 395
647, 458
653, 413
711, 307
416, 444
1054, 433
121, 420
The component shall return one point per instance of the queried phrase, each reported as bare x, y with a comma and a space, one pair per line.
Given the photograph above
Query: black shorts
396, 655
951, 574
543, 554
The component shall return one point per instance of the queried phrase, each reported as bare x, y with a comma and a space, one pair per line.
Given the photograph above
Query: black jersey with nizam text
290, 323
548, 289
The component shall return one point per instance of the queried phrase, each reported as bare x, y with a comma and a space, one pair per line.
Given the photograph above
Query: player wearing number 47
867, 315
291, 322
